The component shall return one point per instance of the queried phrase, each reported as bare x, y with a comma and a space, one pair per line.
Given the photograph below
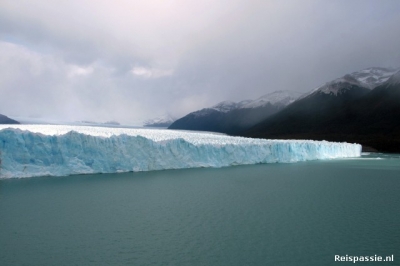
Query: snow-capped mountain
362, 107
162, 121
231, 117
275, 98
283, 98
223, 107
227, 106
373, 76
368, 78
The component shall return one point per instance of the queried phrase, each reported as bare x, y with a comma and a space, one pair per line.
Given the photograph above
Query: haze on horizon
130, 61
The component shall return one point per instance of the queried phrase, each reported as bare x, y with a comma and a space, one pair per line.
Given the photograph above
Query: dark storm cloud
133, 60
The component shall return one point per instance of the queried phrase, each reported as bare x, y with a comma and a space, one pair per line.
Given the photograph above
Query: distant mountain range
235, 117
361, 107
6, 120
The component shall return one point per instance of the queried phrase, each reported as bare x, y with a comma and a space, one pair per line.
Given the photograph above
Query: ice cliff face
28, 151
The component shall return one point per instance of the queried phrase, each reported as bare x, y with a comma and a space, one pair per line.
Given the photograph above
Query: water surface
273, 214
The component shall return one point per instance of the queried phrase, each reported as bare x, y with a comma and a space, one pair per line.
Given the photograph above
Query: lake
266, 214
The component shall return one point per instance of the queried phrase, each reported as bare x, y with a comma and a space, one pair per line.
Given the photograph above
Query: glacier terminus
58, 150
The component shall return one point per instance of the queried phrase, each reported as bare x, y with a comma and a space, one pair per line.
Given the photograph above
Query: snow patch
283, 98
162, 120
395, 79
227, 106
368, 78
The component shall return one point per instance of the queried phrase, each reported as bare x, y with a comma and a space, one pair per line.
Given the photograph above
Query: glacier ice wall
39, 150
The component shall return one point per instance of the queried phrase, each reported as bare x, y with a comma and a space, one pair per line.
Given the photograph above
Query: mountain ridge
163, 121
233, 117
6, 120
368, 78
357, 114
362, 107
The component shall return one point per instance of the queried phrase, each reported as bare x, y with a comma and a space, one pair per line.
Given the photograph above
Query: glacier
58, 150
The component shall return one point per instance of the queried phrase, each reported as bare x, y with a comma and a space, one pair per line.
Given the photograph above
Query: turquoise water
277, 214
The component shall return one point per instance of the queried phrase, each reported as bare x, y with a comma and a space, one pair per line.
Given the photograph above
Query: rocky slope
6, 120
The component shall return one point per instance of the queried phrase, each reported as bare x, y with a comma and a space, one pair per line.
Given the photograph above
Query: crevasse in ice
38, 150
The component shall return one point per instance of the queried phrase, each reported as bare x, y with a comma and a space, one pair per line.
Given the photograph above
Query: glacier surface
52, 150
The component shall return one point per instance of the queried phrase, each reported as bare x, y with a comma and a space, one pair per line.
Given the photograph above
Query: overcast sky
129, 61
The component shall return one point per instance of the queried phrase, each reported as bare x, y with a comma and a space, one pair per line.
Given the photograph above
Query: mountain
361, 107
6, 120
368, 78
233, 117
282, 98
163, 121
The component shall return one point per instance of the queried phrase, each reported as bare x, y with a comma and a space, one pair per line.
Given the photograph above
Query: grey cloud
150, 57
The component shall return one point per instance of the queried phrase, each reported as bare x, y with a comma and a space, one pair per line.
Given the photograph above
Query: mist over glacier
51, 150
